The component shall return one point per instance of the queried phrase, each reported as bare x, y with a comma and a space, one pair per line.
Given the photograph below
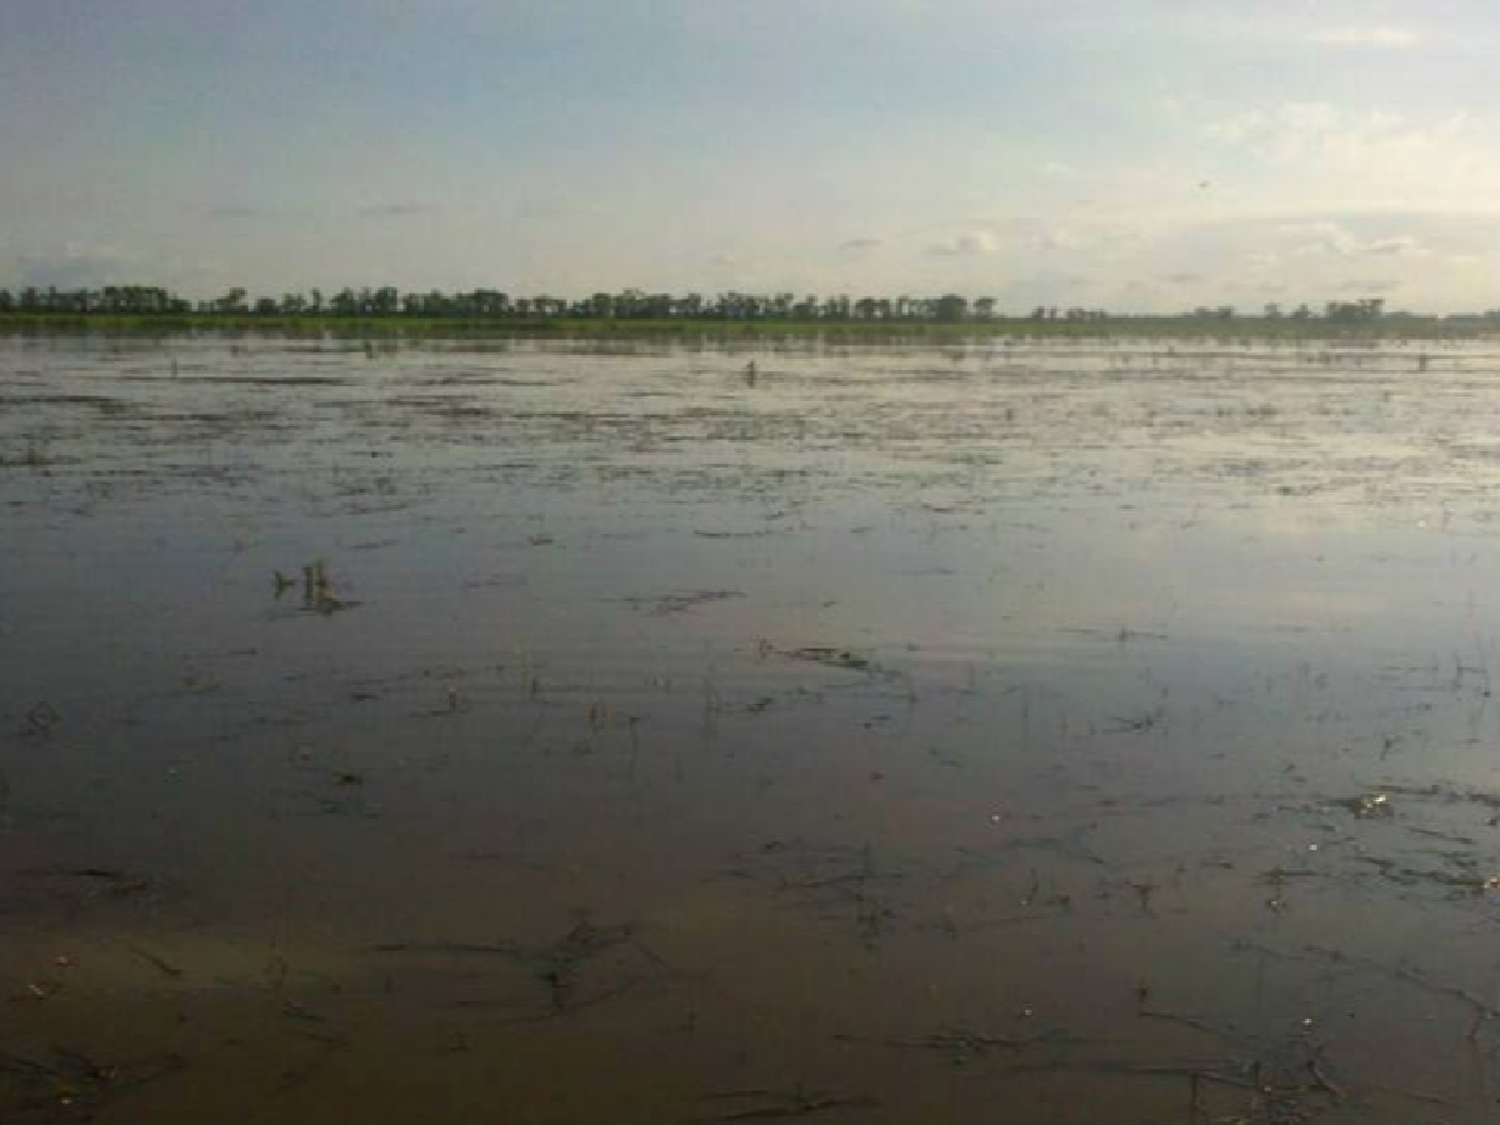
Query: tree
231, 302
951, 307
1355, 312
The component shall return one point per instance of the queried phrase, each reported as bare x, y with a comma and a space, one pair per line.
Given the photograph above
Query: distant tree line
493, 304
1342, 312
629, 304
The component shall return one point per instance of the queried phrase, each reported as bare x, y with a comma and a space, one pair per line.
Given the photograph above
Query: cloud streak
972, 244
400, 209
236, 211
1399, 38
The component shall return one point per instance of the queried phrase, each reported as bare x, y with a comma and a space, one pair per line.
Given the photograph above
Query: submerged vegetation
634, 310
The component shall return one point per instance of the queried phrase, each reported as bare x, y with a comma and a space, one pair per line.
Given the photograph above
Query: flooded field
629, 732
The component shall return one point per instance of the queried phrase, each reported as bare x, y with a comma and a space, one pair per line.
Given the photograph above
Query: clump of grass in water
35, 457
317, 589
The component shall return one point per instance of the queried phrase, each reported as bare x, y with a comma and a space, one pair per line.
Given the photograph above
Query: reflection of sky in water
992, 499
1047, 505
1091, 583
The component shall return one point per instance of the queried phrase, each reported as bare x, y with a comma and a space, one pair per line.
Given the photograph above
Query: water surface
590, 731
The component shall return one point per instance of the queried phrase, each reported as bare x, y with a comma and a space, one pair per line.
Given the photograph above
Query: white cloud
1400, 246
1333, 239
1369, 285
1057, 238
971, 244
1296, 130
1327, 155
1396, 37
1431, 260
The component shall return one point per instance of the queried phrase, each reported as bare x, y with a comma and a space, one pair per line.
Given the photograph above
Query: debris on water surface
557, 966
76, 1084
962, 1046
832, 657
1370, 806
778, 1104
161, 964
668, 604
42, 718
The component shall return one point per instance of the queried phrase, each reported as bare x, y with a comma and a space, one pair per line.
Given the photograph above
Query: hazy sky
1131, 154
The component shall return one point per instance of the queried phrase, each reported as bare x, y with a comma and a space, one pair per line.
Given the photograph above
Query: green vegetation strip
1145, 327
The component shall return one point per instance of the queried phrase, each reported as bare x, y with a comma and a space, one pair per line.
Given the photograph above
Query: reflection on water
586, 732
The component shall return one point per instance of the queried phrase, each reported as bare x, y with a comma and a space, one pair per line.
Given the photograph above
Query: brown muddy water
590, 732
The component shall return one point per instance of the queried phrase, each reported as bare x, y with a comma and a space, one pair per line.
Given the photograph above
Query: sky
1135, 155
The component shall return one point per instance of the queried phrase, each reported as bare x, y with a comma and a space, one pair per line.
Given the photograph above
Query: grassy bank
1288, 329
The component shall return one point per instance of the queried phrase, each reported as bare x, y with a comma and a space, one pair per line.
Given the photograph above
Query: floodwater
602, 731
